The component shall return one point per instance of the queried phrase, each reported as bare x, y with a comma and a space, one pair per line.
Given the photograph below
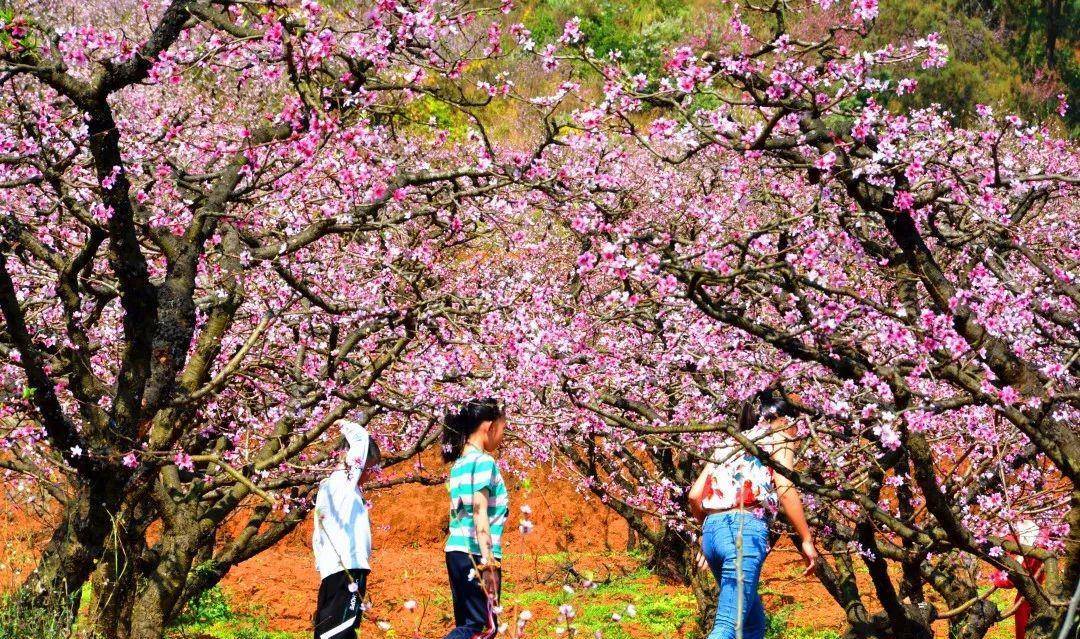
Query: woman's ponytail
767, 404
459, 425
748, 414
453, 439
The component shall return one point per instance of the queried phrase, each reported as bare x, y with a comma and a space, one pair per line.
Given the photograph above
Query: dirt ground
571, 530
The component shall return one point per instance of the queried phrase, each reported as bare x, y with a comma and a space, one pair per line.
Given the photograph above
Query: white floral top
738, 479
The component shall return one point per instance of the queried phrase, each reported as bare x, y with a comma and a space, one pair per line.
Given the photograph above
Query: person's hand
810, 555
490, 578
700, 561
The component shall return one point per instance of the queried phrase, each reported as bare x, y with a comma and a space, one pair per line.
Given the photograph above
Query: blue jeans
719, 543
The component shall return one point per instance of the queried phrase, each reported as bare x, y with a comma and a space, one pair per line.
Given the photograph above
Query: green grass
779, 627
211, 607
211, 615
246, 628
639, 29
1003, 599
657, 612
22, 622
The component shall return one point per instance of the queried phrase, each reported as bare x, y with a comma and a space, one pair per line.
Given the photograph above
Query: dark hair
769, 403
374, 454
458, 425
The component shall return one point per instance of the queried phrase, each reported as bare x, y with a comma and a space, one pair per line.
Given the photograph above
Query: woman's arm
790, 502
697, 493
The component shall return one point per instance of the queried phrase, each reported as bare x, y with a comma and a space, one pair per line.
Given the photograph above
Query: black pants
473, 614
337, 614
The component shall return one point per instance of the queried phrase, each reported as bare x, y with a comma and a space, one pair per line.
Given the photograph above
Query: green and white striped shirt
472, 472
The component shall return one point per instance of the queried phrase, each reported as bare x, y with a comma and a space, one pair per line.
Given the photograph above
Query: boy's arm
489, 578
481, 479
483, 524
316, 514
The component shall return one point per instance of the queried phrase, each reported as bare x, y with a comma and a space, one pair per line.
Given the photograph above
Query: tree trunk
675, 559
70, 556
1053, 23
672, 559
948, 577
706, 594
1062, 576
113, 587
110, 613
158, 591
1062, 582
203, 575
140, 591
150, 611
976, 622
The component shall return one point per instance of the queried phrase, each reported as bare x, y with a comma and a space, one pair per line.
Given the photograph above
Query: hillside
1016, 56
573, 535
575, 538
273, 595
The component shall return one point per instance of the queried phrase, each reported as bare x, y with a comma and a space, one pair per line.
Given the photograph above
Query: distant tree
756, 215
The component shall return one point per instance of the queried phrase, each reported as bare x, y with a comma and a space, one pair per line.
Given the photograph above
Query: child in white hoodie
341, 539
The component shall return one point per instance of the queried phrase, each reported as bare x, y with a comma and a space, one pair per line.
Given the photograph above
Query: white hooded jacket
341, 539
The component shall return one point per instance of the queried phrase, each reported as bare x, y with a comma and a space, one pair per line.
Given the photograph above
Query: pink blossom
183, 461
825, 162
1009, 396
571, 31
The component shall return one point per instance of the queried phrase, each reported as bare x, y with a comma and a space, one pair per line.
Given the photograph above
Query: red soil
24, 530
571, 529
408, 525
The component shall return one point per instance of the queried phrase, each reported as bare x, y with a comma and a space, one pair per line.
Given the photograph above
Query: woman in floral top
736, 495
